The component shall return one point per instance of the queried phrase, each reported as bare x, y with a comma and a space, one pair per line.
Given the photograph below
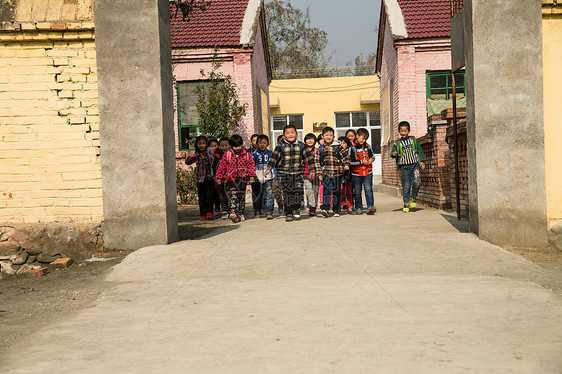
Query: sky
351, 26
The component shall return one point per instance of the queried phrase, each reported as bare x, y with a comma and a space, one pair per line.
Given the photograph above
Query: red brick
32, 271
62, 262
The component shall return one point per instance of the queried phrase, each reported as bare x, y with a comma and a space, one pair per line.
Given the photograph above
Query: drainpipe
457, 184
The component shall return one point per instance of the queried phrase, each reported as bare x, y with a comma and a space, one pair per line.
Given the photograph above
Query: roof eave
250, 22
395, 19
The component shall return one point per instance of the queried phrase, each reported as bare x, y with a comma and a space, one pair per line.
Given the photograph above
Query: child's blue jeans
411, 180
359, 183
332, 187
263, 196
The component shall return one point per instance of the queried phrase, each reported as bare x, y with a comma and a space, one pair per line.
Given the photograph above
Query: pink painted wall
407, 61
260, 77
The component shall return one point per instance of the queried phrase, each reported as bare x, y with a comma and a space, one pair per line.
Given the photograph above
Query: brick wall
49, 128
436, 180
463, 162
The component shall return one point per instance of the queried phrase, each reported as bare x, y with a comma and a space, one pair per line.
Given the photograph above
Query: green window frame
188, 118
439, 85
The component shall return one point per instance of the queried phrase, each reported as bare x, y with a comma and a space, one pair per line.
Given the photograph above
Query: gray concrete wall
505, 122
136, 122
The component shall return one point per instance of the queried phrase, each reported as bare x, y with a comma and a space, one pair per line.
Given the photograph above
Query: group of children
330, 174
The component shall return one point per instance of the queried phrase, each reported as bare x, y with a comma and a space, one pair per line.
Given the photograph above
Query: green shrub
186, 186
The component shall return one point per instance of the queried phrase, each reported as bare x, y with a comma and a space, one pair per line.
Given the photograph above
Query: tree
296, 48
188, 6
361, 67
219, 109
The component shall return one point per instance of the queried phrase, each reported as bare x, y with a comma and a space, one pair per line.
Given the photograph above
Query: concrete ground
391, 293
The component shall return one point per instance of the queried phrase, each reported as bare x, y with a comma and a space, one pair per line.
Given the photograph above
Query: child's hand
394, 154
320, 177
218, 181
252, 179
422, 165
346, 167
266, 173
312, 175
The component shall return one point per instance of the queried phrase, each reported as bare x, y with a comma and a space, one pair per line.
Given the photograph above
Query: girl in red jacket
236, 170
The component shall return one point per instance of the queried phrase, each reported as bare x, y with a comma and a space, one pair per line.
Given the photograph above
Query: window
188, 118
439, 85
354, 120
279, 122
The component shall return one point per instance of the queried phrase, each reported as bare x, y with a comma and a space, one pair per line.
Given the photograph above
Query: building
234, 33
342, 103
414, 66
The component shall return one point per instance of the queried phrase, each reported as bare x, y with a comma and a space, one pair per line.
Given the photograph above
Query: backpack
301, 145
399, 148
321, 152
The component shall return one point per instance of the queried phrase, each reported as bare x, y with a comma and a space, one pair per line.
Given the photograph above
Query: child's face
350, 135
344, 145
310, 142
360, 139
328, 137
224, 145
201, 145
290, 135
262, 145
254, 141
403, 131
321, 141
237, 150
213, 144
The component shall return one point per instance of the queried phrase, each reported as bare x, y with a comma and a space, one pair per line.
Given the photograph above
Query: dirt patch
548, 259
29, 304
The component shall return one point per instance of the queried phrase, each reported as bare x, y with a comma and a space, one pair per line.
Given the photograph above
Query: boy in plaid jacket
289, 158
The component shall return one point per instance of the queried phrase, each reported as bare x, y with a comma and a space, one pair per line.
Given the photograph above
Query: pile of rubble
33, 249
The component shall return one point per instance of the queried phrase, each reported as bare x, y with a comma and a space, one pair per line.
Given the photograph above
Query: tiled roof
427, 18
219, 25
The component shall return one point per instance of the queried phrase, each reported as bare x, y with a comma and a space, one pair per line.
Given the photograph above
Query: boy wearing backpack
289, 158
331, 160
362, 159
410, 159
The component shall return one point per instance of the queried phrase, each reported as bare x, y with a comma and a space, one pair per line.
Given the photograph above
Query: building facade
414, 64
233, 34
342, 103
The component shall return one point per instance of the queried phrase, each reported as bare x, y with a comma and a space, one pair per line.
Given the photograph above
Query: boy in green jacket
410, 159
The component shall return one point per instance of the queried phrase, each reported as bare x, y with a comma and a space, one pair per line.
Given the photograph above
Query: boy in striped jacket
410, 158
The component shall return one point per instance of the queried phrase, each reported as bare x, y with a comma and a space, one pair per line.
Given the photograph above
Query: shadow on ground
462, 225
190, 228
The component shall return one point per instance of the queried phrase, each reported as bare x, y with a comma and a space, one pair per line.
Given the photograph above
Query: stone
46, 258
7, 267
62, 262
32, 271
31, 259
20, 258
9, 248
6, 232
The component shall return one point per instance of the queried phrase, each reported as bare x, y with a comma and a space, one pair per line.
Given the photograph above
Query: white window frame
276, 133
340, 131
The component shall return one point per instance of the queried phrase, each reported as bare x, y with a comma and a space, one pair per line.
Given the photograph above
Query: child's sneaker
324, 213
201, 218
312, 212
233, 218
217, 213
289, 218
241, 218
297, 215
372, 210
224, 215
358, 212
413, 203
256, 213
406, 208
336, 214
262, 215
209, 216
269, 216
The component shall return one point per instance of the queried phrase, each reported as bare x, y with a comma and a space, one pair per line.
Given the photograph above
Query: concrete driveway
390, 293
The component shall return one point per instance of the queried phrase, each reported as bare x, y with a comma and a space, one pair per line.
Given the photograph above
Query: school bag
336, 151
399, 148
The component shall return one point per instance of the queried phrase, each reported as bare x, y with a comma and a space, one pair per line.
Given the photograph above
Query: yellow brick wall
49, 129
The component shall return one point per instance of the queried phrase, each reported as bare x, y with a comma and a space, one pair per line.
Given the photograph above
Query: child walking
311, 185
262, 188
346, 185
289, 157
236, 170
331, 161
203, 158
219, 152
361, 161
410, 159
